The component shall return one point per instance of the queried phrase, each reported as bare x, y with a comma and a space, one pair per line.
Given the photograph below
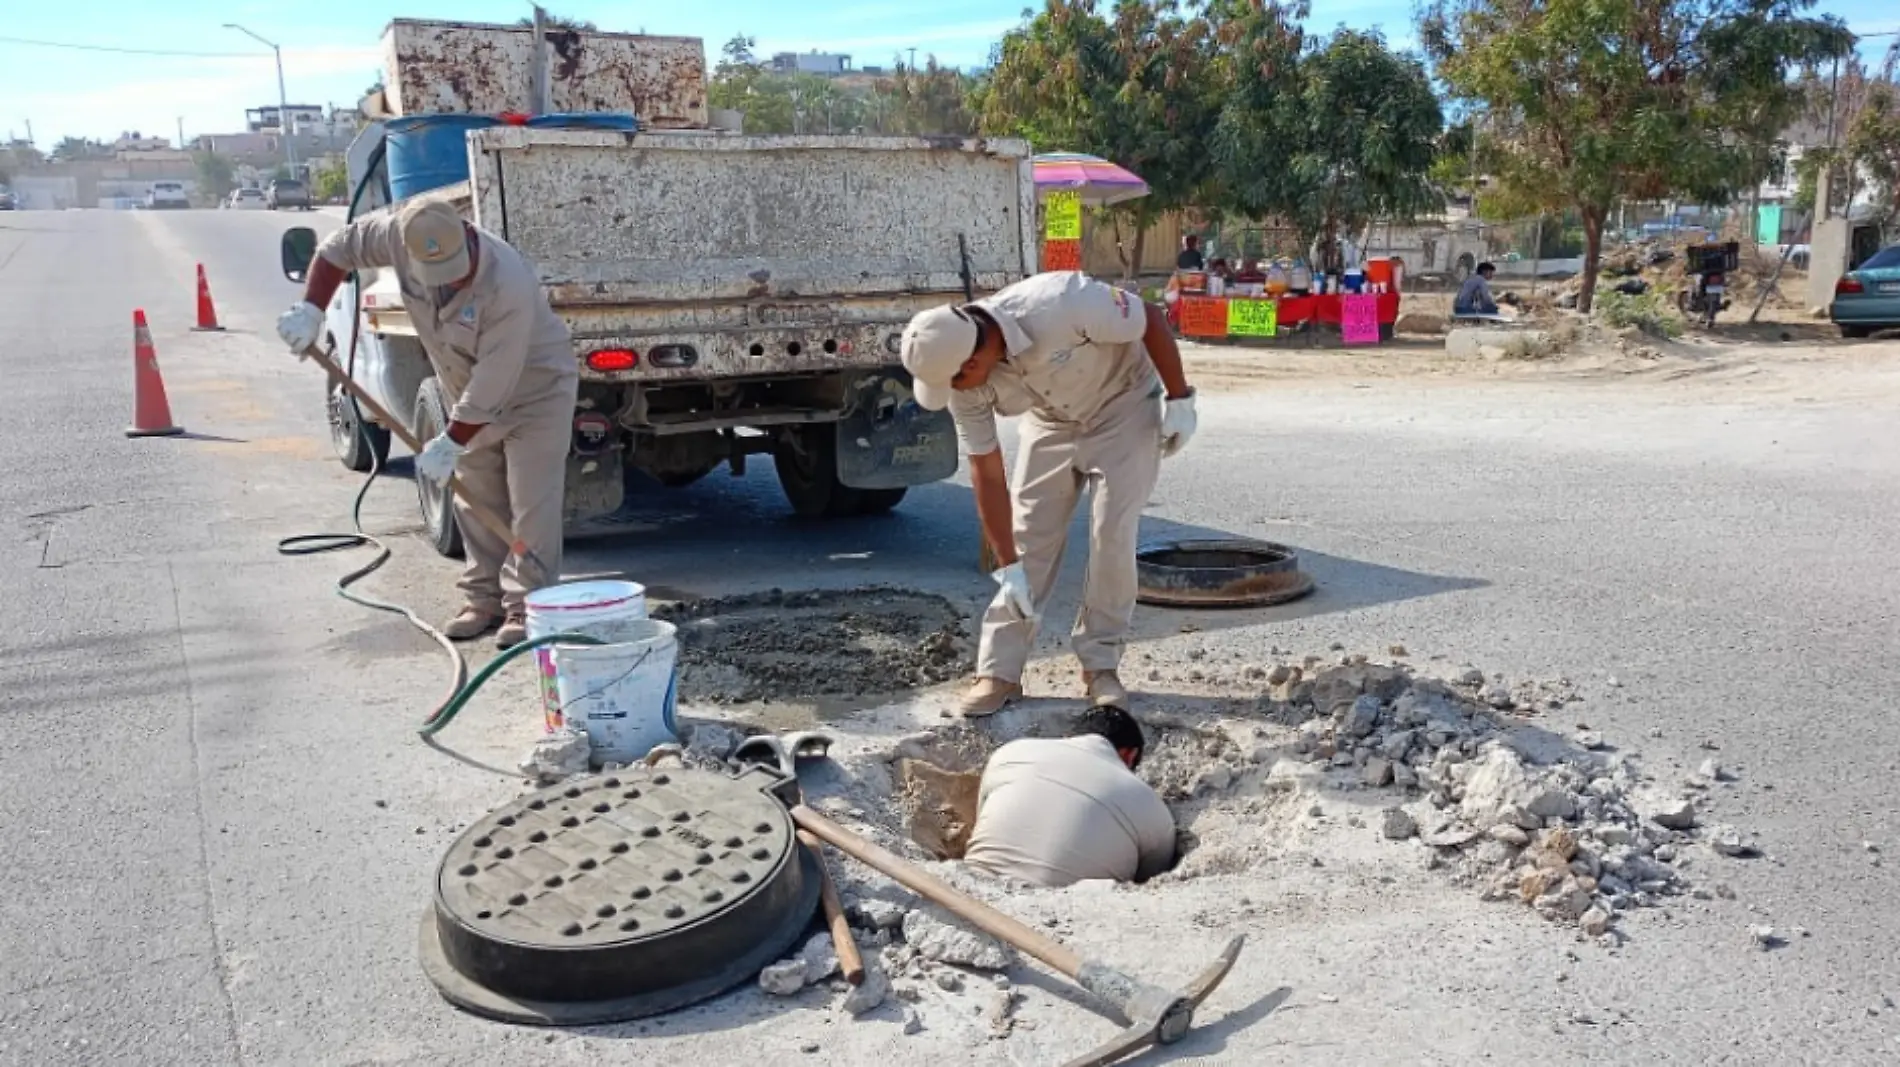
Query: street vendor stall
1363, 305
1065, 182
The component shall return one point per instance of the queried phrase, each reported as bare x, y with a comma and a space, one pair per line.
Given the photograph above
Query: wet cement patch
819, 646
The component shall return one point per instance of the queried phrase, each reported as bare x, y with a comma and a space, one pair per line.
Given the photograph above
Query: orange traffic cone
152, 413
207, 315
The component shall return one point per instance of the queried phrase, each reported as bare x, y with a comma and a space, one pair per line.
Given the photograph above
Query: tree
1331, 136
740, 82
1135, 90
330, 180
215, 174
928, 100
1588, 101
557, 22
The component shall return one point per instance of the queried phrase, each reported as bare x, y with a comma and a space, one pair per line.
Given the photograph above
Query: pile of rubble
1559, 823
905, 948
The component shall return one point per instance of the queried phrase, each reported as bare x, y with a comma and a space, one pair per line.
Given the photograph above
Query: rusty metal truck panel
432, 66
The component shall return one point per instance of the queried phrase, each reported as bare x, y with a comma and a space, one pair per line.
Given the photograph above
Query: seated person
1251, 273
1218, 268
1059, 811
1474, 297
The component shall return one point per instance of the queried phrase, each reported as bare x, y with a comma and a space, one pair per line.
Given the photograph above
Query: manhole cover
618, 896
1232, 573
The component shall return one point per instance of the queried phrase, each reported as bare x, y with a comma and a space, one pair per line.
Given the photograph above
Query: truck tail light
672, 356
612, 359
1849, 284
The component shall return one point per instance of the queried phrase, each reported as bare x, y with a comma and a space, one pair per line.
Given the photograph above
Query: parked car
286, 193
7, 202
167, 196
1867, 298
247, 200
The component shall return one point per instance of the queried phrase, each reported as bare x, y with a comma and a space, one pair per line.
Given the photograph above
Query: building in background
268, 119
824, 64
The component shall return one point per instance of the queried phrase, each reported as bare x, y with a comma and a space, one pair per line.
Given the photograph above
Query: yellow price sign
1253, 318
1062, 216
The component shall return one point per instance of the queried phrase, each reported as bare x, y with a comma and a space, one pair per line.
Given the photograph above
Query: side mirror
298, 249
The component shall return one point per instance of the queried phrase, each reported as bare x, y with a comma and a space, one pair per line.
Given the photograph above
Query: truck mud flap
885, 441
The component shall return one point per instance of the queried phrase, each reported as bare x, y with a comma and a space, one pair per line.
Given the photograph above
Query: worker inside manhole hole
1049, 809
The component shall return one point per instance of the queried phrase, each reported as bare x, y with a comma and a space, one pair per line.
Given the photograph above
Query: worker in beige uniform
500, 351
1055, 812
1096, 377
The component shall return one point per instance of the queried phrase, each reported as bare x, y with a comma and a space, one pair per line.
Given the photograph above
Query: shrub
1648, 312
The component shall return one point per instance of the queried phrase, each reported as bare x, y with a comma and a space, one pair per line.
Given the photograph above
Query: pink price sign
1359, 319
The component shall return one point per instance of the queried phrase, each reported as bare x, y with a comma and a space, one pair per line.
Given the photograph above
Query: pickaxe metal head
1155, 1016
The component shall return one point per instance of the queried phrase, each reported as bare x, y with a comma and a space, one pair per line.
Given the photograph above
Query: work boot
1106, 689
514, 630
987, 696
470, 624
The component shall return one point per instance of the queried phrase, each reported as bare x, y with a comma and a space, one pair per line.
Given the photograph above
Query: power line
125, 51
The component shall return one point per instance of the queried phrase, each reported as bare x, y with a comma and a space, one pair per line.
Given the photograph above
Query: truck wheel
436, 499
807, 462
880, 501
360, 446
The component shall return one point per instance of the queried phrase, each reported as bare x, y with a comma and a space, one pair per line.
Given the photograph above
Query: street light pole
283, 101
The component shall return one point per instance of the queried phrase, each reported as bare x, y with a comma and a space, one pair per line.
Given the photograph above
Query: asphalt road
221, 828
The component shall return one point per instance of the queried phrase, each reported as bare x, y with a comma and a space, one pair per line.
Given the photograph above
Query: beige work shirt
496, 344
1056, 812
1074, 348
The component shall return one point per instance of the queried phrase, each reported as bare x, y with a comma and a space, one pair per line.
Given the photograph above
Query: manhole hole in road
788, 647
617, 896
1233, 573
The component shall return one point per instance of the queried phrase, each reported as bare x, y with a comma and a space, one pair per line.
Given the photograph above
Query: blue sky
330, 47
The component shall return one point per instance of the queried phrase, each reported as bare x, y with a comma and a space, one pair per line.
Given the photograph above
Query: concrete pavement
223, 827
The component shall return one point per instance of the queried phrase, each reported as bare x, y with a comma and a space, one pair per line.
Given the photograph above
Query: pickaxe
1156, 1016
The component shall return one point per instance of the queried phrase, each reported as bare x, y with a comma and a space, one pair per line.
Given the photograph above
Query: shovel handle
850, 961
933, 889
380, 414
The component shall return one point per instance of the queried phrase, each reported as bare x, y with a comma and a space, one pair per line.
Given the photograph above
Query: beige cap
437, 244
936, 345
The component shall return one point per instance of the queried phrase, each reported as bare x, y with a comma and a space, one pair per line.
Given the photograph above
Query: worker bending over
500, 351
1056, 812
1096, 377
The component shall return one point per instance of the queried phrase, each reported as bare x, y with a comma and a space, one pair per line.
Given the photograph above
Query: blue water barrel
429, 151
586, 120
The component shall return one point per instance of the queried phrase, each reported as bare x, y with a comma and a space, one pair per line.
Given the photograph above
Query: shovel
495, 524
1156, 1016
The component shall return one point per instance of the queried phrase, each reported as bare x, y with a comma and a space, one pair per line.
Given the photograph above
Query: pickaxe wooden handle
496, 525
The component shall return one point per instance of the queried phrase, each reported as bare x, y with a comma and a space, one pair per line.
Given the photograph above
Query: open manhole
618, 896
1215, 573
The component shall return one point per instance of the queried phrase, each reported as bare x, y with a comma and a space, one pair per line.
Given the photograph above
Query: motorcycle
1711, 266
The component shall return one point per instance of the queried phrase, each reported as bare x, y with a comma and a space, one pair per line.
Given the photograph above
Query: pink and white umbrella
1100, 182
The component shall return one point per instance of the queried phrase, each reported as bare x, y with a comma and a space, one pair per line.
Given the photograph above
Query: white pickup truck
728, 295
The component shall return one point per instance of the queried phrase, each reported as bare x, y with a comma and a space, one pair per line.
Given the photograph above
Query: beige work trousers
1117, 459
518, 470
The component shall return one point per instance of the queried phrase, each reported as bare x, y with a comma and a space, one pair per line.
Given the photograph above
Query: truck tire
807, 462
361, 446
436, 501
880, 501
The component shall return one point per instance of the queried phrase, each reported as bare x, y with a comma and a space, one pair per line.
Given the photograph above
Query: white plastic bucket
603, 610
621, 694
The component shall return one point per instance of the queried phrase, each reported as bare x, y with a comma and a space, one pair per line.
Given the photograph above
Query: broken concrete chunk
1404, 776
939, 939
1734, 843
1377, 772
784, 978
1677, 814
1361, 716
557, 756
873, 992
821, 958
1397, 744
1595, 922
1397, 825
1498, 697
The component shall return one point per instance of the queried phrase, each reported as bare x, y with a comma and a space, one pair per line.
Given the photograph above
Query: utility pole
181, 133
913, 59
29, 132
284, 124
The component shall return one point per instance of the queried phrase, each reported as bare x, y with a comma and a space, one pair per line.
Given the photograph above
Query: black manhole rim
1219, 573
573, 930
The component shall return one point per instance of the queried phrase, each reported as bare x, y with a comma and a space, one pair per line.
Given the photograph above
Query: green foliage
330, 181
1873, 145
926, 100
1588, 101
216, 177
1648, 312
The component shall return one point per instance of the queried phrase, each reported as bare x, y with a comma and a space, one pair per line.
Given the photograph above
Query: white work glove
1177, 424
437, 460
301, 327
1013, 596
